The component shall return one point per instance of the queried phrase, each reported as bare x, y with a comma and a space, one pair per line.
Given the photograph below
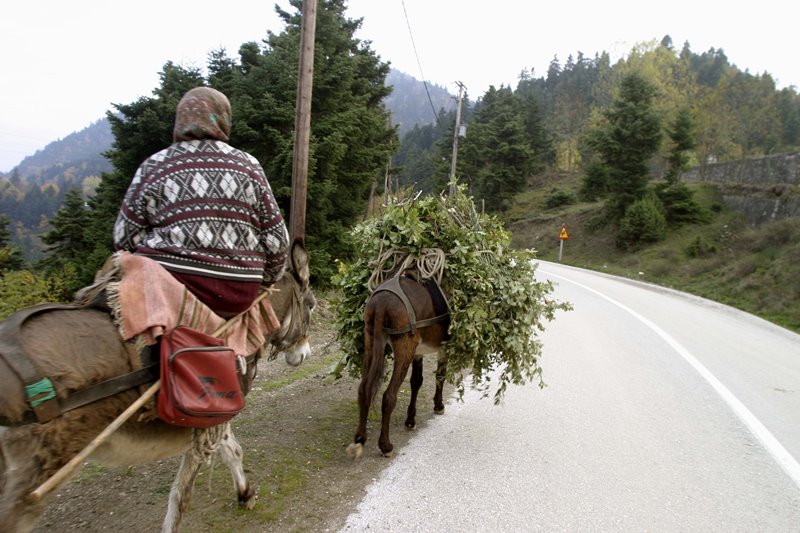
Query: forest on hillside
567, 119
546, 120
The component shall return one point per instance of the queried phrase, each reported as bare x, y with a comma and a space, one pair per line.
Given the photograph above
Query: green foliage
498, 158
595, 182
496, 305
10, 257
559, 197
681, 135
644, 222
69, 243
699, 247
22, 288
627, 140
679, 204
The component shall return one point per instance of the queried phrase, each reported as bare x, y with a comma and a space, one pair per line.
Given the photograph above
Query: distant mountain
410, 103
79, 154
76, 156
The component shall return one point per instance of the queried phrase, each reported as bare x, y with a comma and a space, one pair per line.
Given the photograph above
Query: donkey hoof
355, 450
388, 454
438, 410
411, 425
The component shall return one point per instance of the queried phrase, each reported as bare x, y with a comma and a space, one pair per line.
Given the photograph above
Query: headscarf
202, 113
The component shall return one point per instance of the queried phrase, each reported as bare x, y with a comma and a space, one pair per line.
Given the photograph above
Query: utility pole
461, 90
387, 178
302, 124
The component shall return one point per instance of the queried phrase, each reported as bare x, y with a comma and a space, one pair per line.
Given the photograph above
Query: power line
425, 83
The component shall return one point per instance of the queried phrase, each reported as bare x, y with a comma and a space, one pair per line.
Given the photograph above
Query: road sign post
563, 236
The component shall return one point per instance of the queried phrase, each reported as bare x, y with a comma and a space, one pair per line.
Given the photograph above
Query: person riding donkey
199, 236
205, 211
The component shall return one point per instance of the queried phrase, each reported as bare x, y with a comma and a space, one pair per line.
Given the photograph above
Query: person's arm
131, 226
274, 237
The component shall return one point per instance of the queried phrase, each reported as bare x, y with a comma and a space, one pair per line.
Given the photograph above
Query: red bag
199, 380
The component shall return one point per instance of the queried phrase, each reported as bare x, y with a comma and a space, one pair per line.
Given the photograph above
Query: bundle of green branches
497, 307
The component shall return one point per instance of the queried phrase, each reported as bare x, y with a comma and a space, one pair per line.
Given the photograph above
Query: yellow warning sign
564, 235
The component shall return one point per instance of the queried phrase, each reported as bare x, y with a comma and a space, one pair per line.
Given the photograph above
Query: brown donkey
80, 347
411, 316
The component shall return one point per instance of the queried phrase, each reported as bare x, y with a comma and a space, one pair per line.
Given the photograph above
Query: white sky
64, 63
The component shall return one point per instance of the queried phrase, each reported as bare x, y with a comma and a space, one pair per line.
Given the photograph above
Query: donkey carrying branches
410, 316
79, 347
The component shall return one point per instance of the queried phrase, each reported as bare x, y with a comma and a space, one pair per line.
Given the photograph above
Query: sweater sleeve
130, 228
274, 235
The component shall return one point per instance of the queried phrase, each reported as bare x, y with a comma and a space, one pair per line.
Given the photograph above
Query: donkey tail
374, 344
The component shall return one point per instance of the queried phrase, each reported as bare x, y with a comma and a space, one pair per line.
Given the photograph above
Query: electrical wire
425, 83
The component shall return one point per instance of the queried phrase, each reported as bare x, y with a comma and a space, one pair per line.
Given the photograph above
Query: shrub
644, 222
559, 197
680, 206
699, 248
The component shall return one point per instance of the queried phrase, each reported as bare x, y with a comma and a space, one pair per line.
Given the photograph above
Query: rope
429, 264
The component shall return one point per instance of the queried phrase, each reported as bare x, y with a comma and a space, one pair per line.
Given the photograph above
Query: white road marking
788, 463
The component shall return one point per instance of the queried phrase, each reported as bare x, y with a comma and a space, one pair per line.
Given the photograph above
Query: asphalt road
663, 412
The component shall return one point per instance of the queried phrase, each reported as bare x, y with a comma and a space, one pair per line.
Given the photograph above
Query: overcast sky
64, 63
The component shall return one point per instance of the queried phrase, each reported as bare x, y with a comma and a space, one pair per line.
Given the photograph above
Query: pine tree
350, 138
625, 143
498, 158
681, 134
68, 243
10, 257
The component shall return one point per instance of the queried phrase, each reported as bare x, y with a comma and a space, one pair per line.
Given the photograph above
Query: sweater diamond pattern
204, 206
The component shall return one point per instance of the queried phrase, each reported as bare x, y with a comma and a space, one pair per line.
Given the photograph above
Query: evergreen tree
68, 242
681, 134
350, 138
625, 143
539, 140
497, 154
10, 257
677, 199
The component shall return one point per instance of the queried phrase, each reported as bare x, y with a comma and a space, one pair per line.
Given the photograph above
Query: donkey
83, 346
411, 317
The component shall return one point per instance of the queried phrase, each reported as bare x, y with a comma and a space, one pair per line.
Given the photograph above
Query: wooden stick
76, 461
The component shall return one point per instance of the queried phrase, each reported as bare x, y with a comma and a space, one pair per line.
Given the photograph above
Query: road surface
663, 412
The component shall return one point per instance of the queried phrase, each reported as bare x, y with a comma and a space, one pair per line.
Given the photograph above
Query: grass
754, 269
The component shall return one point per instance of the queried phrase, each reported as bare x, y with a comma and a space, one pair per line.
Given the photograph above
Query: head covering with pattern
203, 113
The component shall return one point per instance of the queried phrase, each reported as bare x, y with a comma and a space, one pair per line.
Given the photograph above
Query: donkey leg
181, 493
204, 443
356, 448
402, 360
230, 452
416, 383
441, 373
21, 474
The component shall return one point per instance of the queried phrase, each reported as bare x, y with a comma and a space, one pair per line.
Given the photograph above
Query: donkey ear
300, 262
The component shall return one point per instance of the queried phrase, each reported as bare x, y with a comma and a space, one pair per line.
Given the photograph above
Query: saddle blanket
147, 301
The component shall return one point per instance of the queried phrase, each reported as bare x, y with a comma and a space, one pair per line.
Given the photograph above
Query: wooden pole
302, 125
455, 141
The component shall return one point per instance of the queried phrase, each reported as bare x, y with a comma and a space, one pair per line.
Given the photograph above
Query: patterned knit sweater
202, 207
